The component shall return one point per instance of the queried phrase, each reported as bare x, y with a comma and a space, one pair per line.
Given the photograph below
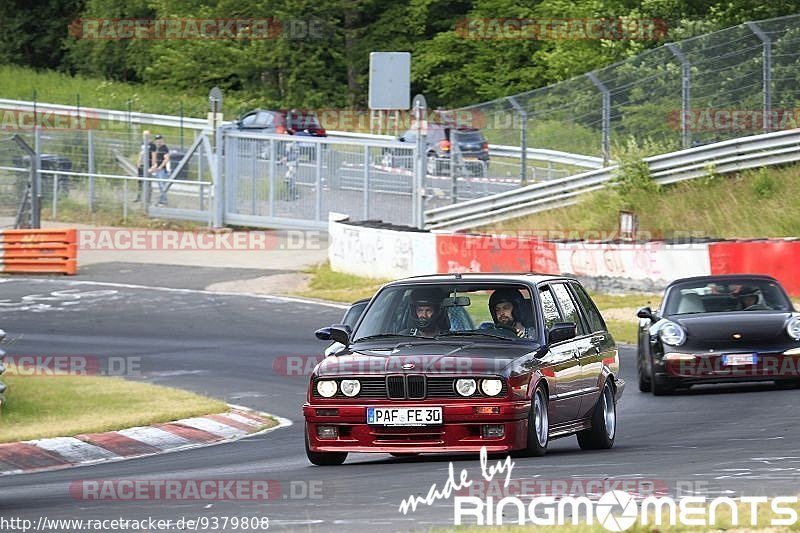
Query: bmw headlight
491, 387
672, 334
350, 387
793, 328
466, 387
326, 388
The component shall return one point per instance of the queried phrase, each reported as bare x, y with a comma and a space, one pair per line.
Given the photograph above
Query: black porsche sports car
713, 329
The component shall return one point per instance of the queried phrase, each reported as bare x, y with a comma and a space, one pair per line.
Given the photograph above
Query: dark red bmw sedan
455, 363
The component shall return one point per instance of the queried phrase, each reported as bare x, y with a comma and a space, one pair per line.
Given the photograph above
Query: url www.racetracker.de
198, 523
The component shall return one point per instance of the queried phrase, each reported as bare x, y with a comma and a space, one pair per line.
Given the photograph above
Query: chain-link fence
739, 81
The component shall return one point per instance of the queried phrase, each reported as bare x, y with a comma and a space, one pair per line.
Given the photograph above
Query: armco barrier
41, 251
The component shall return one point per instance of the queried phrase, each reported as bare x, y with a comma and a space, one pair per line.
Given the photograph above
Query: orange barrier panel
779, 259
39, 251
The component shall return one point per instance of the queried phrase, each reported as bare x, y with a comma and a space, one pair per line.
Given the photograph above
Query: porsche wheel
645, 385
604, 423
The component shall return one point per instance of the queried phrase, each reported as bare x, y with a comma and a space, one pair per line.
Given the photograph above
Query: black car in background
443, 141
714, 329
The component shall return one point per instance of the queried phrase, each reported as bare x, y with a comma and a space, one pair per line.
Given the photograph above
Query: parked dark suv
471, 148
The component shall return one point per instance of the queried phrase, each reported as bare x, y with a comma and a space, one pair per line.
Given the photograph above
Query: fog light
682, 357
327, 432
327, 412
493, 431
486, 410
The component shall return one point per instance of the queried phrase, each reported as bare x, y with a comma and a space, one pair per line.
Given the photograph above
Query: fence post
273, 171
686, 88
523, 141
766, 74
90, 142
606, 149
36, 178
365, 207
318, 206
219, 182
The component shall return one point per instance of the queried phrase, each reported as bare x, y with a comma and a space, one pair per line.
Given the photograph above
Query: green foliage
763, 184
633, 177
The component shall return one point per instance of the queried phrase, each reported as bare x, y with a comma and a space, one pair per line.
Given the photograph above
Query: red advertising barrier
779, 259
543, 257
482, 253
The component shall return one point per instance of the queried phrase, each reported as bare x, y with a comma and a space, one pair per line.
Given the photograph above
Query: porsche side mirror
645, 312
562, 331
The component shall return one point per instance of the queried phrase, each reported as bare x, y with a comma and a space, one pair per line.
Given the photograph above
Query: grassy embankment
60, 405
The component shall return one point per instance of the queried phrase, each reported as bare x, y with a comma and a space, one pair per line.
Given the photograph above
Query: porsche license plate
404, 416
733, 359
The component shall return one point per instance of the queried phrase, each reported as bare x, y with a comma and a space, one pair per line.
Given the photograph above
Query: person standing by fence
147, 153
159, 168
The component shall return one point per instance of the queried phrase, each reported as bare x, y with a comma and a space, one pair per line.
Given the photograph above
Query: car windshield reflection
440, 312
732, 295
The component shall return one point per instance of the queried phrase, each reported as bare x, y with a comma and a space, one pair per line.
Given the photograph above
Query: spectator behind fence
158, 169
151, 158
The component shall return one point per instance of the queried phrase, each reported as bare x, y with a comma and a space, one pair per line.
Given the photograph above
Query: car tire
538, 424
324, 458
662, 387
604, 423
645, 385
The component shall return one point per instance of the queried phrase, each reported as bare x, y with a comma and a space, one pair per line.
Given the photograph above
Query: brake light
280, 129
321, 132
485, 147
444, 145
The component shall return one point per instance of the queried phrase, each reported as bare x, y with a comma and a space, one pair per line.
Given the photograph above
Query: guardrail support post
766, 74
606, 148
686, 87
523, 140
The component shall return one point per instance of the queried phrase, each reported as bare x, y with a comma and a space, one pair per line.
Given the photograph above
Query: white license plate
404, 416
732, 359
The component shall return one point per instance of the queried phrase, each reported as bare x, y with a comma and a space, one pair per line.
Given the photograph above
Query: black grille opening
395, 388
416, 387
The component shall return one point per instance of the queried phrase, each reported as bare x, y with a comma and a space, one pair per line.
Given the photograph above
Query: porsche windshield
483, 311
740, 294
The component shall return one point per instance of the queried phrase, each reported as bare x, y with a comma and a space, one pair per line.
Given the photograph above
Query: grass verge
338, 287
52, 406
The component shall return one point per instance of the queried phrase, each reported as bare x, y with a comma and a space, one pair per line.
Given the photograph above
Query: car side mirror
401, 139
327, 333
341, 333
562, 331
645, 312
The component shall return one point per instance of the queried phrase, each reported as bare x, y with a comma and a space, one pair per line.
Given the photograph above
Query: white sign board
389, 80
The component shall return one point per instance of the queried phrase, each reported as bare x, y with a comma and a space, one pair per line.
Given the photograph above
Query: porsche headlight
466, 387
491, 387
350, 387
793, 328
672, 334
326, 388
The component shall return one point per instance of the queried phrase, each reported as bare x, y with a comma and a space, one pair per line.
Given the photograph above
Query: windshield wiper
475, 334
380, 336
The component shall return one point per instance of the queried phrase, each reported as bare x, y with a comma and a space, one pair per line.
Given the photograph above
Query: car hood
435, 357
718, 330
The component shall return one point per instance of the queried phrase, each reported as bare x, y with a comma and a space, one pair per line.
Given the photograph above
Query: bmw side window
568, 307
594, 317
549, 309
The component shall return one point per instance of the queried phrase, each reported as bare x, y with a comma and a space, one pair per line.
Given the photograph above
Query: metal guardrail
727, 156
495, 150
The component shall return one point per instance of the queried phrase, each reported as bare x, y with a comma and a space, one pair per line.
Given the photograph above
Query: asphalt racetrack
715, 440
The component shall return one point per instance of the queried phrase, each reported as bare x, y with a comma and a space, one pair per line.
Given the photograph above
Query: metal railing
727, 156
